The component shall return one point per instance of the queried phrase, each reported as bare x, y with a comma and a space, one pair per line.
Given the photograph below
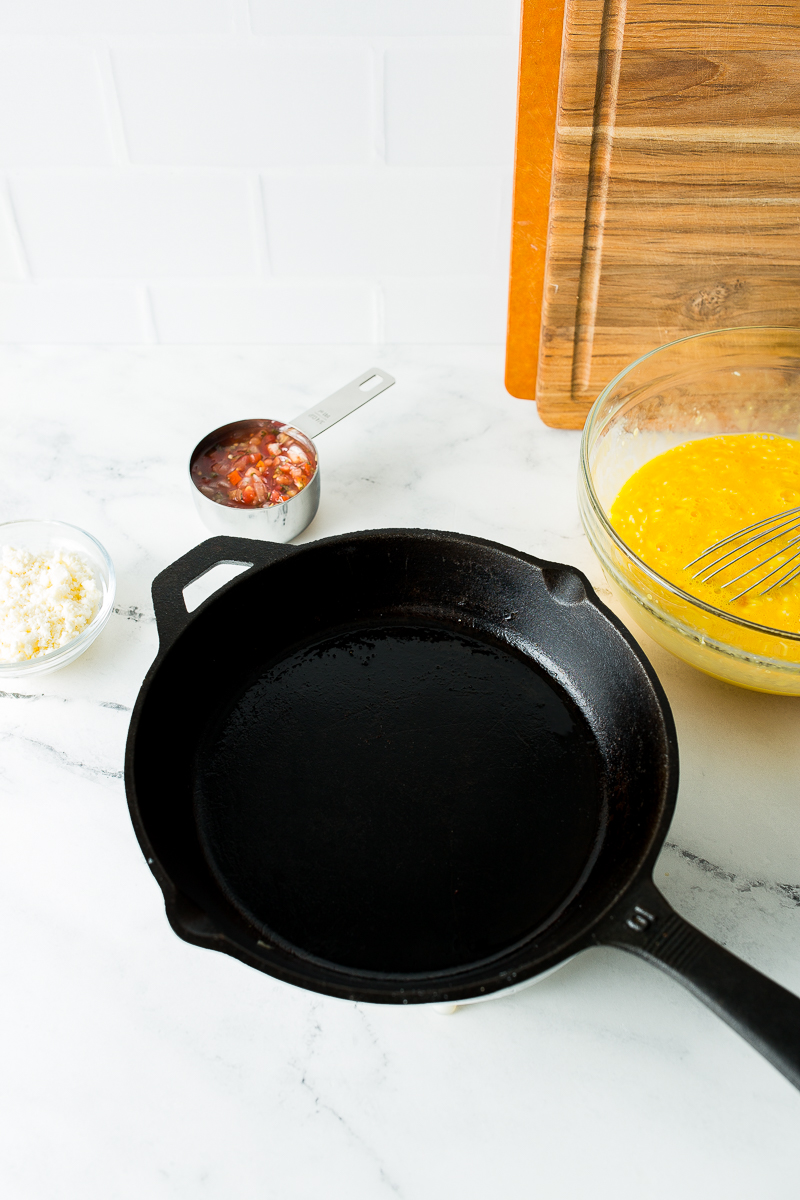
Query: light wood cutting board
673, 180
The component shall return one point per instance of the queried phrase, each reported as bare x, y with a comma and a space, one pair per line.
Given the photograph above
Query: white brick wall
272, 171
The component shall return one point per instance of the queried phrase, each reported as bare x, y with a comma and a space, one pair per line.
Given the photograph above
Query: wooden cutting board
670, 155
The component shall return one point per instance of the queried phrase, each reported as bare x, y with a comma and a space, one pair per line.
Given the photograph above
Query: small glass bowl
727, 381
43, 537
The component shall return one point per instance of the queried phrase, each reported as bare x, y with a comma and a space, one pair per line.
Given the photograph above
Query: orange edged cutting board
675, 186
537, 103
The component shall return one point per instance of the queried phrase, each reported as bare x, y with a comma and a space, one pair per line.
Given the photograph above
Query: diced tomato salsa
256, 466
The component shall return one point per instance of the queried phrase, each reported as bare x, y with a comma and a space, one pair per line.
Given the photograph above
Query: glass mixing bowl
727, 381
41, 537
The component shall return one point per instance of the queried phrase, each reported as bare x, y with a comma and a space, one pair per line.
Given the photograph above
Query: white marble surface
134, 1065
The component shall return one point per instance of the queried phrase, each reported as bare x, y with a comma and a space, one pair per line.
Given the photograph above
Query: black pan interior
403, 755
400, 798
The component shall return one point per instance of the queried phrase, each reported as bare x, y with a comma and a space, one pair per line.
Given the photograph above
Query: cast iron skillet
406, 766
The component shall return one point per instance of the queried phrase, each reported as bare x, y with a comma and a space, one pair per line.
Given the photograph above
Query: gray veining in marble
137, 1066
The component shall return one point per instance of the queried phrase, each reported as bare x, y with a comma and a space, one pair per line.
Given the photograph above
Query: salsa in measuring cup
255, 466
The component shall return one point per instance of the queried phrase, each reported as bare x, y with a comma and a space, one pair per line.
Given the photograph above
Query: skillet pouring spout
405, 766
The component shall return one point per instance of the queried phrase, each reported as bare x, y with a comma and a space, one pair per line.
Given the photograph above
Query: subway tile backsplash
246, 106
272, 171
393, 221
136, 225
385, 18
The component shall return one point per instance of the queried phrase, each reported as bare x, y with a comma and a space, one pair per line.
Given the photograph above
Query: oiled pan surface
408, 766
400, 798
398, 765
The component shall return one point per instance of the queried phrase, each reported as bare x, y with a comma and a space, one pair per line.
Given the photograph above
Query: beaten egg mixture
683, 500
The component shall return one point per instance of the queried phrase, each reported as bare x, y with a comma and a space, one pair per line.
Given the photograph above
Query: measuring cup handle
764, 1013
319, 418
167, 590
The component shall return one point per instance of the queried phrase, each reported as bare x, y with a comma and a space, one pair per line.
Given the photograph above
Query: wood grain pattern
609, 64
701, 218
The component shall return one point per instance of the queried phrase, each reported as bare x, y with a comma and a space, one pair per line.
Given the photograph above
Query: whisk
746, 546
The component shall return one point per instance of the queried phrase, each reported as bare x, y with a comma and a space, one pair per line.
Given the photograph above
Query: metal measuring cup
282, 522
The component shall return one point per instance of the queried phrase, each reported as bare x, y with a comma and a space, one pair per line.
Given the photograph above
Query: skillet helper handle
167, 590
355, 393
764, 1013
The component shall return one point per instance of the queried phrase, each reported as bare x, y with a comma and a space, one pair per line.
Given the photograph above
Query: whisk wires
748, 542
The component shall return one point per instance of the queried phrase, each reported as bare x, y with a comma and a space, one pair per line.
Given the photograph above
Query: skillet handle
167, 590
764, 1013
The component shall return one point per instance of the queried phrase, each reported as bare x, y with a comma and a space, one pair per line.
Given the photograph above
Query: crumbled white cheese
45, 601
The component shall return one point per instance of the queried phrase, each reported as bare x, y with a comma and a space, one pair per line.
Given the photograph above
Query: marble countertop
135, 1065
